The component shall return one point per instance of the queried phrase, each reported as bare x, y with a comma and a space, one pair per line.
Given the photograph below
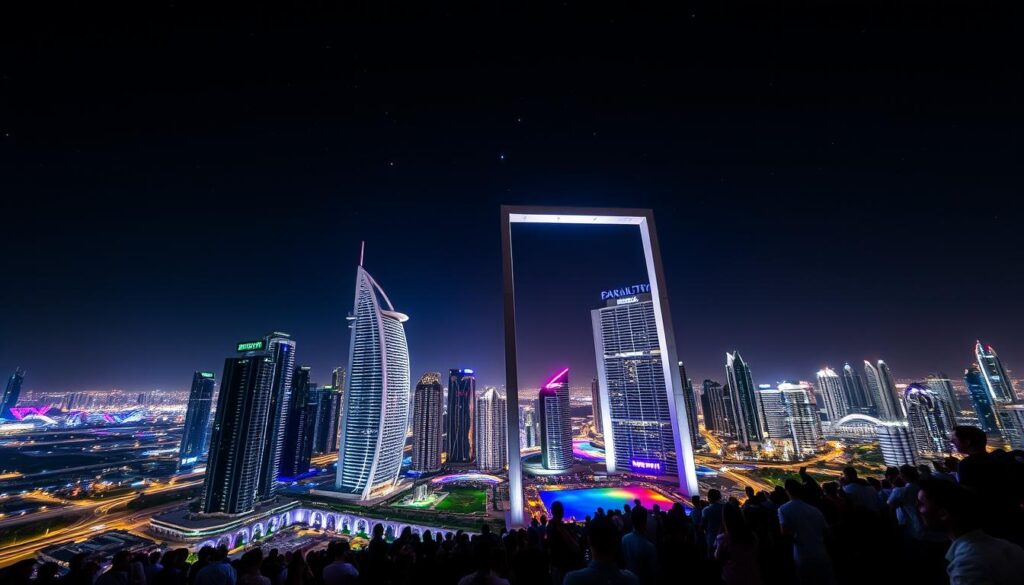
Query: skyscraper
11, 393
883, 391
896, 444
980, 399
555, 424
1011, 416
997, 380
832, 394
298, 431
490, 434
528, 433
691, 407
282, 349
338, 378
327, 429
459, 423
232, 470
746, 411
639, 434
376, 402
428, 412
197, 419
789, 414
857, 395
943, 388
717, 412
930, 420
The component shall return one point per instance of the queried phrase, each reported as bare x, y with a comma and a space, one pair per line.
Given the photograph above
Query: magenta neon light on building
555, 425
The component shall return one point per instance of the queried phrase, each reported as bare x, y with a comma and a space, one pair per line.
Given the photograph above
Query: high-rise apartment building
459, 421
491, 420
555, 423
746, 411
197, 420
857, 395
376, 401
717, 410
595, 407
690, 396
428, 413
896, 443
830, 388
282, 349
883, 391
930, 420
980, 399
298, 433
789, 414
236, 445
327, 429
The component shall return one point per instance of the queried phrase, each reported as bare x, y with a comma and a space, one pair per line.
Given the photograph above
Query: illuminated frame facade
644, 220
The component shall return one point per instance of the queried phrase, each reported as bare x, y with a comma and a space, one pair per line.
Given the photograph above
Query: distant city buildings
981, 401
1001, 394
376, 401
327, 428
236, 445
638, 428
717, 409
595, 407
690, 398
883, 391
301, 422
555, 424
428, 413
11, 393
790, 416
491, 431
896, 443
857, 396
746, 412
459, 421
529, 426
930, 420
197, 420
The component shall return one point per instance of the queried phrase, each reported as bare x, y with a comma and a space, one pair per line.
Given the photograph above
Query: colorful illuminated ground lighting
586, 451
580, 503
20, 412
467, 477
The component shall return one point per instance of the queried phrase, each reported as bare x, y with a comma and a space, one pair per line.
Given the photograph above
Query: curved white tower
376, 403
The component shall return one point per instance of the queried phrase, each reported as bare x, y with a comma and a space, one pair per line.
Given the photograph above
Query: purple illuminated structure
20, 412
555, 426
645, 467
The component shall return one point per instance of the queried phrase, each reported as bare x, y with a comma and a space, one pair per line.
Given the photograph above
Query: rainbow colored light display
579, 503
467, 477
586, 451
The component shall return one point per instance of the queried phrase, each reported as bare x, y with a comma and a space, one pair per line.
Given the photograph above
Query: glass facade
428, 411
197, 420
458, 443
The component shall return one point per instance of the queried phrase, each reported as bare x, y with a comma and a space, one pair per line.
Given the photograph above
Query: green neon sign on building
250, 345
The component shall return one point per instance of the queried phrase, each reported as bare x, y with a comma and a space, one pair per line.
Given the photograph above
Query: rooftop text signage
625, 291
250, 345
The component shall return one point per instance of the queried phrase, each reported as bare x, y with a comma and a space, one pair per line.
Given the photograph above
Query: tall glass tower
857, 395
328, 420
691, 407
832, 394
298, 431
980, 399
997, 380
638, 433
282, 348
376, 402
930, 420
883, 392
555, 424
11, 393
490, 434
746, 410
458, 442
236, 447
428, 411
197, 419
717, 411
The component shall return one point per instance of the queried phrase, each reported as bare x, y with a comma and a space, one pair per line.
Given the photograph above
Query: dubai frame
644, 220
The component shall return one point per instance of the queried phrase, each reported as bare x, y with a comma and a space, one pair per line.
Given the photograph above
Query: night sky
827, 186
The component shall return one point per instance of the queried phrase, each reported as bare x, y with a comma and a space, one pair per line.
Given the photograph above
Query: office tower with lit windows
427, 417
376, 402
857, 396
298, 433
236, 444
717, 410
883, 391
327, 428
1000, 392
555, 423
458, 439
789, 415
691, 407
1012, 418
491, 421
980, 399
830, 388
338, 378
746, 410
11, 393
930, 420
638, 429
943, 388
197, 420
282, 348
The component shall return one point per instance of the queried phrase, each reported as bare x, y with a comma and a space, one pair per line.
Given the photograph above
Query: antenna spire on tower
362, 250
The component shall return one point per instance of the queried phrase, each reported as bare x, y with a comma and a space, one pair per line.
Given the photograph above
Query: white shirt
863, 495
807, 525
977, 558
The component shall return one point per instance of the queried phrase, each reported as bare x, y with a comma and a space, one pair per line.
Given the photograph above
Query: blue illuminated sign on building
625, 291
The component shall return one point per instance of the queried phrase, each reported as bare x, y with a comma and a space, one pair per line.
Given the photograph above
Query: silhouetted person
711, 520
563, 547
974, 557
736, 549
219, 571
641, 557
603, 538
806, 525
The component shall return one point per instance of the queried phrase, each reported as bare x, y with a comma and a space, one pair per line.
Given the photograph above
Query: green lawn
463, 500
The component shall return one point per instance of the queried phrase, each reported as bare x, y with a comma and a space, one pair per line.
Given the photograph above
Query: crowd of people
960, 521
